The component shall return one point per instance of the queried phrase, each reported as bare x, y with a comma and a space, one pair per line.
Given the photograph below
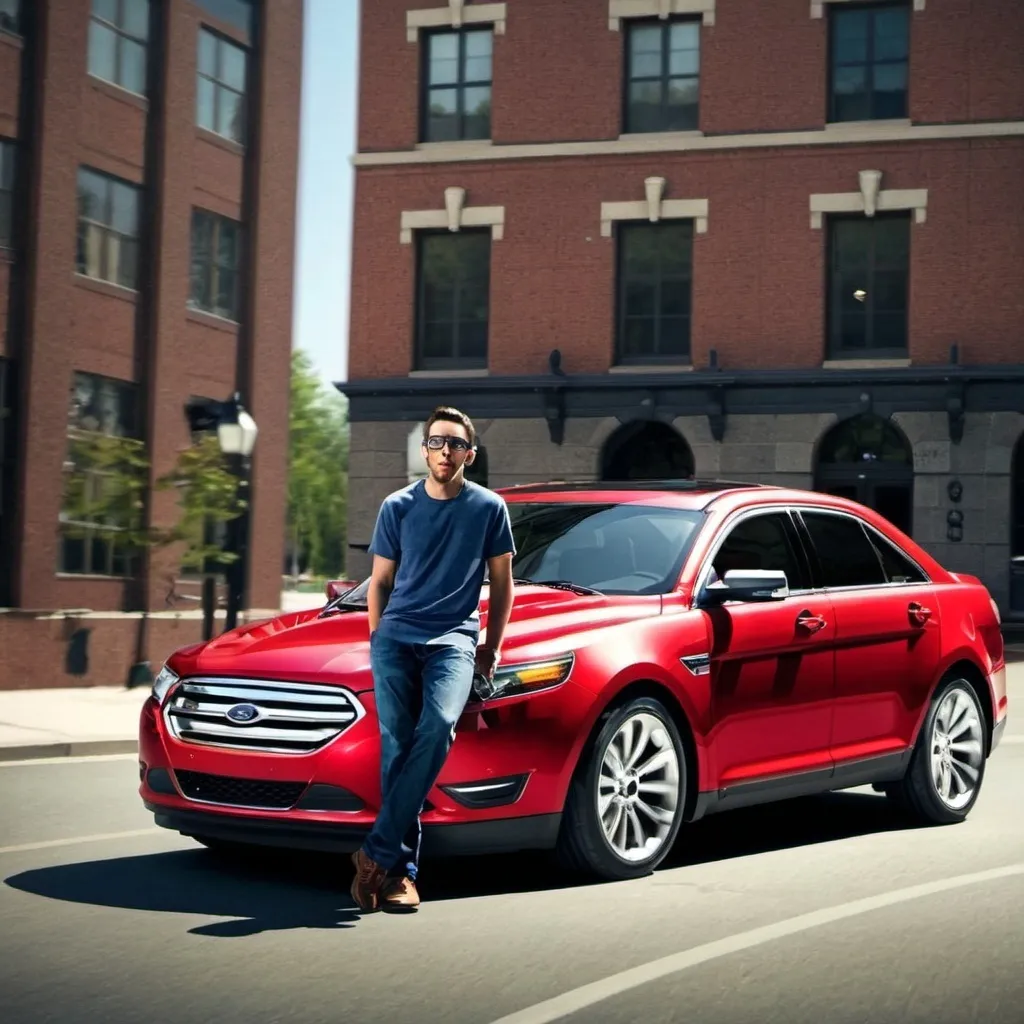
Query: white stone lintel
453, 216
871, 199
456, 14
654, 208
620, 10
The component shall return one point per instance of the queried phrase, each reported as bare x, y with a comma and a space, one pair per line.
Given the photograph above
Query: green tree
318, 471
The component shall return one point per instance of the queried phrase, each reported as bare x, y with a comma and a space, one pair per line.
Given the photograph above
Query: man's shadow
258, 892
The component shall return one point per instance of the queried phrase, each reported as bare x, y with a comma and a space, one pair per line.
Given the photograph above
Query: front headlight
163, 683
513, 680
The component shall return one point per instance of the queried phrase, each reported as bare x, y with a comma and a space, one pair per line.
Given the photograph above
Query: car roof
725, 495
683, 493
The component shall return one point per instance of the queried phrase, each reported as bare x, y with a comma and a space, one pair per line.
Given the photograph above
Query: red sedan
675, 650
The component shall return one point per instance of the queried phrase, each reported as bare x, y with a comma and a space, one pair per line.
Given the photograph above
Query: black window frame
212, 268
460, 85
836, 14
8, 188
455, 361
121, 37
106, 229
623, 231
222, 42
99, 533
833, 307
664, 78
11, 16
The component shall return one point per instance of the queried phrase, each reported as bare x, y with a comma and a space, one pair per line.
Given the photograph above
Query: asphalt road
823, 909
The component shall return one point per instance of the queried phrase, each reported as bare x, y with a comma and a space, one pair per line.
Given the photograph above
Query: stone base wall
770, 449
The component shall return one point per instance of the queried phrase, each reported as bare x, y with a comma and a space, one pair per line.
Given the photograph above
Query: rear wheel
625, 804
948, 764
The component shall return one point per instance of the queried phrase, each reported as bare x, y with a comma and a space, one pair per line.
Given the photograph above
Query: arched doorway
477, 472
646, 450
867, 459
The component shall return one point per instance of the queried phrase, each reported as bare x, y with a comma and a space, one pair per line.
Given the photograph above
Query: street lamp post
236, 435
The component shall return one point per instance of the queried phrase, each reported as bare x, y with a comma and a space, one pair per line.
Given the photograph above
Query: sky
326, 177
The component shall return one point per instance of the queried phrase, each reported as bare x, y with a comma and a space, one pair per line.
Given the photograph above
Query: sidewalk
105, 719
69, 722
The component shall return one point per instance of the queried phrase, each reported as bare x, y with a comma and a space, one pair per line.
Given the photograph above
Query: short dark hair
448, 414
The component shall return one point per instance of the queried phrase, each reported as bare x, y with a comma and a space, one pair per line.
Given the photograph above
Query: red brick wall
558, 69
33, 651
93, 327
758, 272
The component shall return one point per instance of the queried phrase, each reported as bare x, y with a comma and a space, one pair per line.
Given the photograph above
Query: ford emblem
243, 714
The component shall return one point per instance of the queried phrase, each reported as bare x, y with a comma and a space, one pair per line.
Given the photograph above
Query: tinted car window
897, 567
762, 542
847, 557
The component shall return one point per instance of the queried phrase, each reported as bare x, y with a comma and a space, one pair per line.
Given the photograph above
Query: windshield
613, 549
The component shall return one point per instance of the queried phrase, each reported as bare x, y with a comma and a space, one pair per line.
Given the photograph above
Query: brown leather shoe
399, 894
366, 885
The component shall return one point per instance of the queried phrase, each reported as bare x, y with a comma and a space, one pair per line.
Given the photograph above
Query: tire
584, 846
920, 792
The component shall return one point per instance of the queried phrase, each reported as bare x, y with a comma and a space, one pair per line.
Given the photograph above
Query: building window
457, 85
662, 76
454, 298
8, 155
869, 270
118, 31
108, 228
220, 88
654, 276
216, 258
869, 53
236, 13
105, 478
10, 16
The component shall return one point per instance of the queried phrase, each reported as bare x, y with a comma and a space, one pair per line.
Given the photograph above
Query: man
430, 546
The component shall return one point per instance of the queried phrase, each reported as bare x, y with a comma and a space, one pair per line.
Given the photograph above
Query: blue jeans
420, 692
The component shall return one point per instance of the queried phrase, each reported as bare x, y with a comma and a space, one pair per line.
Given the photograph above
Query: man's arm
382, 582
499, 607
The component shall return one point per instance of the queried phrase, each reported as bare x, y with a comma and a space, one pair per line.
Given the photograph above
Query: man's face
446, 460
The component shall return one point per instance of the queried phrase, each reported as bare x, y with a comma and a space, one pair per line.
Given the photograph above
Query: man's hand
486, 661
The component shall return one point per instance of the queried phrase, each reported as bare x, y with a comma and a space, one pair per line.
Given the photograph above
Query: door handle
809, 622
919, 615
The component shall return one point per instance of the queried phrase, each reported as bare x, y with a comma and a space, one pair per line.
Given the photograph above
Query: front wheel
948, 763
625, 804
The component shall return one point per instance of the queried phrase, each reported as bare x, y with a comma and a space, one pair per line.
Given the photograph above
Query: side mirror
335, 588
752, 585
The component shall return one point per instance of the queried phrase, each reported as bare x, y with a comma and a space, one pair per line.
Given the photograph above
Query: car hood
302, 647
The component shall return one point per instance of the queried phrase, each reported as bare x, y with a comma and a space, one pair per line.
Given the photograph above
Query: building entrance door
868, 460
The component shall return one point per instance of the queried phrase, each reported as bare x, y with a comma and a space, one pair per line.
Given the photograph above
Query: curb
67, 748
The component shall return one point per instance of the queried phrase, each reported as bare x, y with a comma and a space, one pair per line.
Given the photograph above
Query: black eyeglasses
457, 444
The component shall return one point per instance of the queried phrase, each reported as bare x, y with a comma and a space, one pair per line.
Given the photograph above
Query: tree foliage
318, 471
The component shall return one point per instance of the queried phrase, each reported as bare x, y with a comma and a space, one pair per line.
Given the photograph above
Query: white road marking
81, 759
588, 995
97, 838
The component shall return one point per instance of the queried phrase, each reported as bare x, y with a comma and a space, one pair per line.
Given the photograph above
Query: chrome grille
291, 718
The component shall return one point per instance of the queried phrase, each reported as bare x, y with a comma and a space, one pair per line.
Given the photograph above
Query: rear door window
846, 556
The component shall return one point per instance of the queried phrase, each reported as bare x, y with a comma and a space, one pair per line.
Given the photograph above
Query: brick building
148, 166
775, 240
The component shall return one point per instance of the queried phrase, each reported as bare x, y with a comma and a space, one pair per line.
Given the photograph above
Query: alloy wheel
638, 787
957, 749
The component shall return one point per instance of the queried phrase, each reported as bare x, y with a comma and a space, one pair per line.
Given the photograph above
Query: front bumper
535, 832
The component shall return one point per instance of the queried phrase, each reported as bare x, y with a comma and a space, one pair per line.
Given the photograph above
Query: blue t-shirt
442, 548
